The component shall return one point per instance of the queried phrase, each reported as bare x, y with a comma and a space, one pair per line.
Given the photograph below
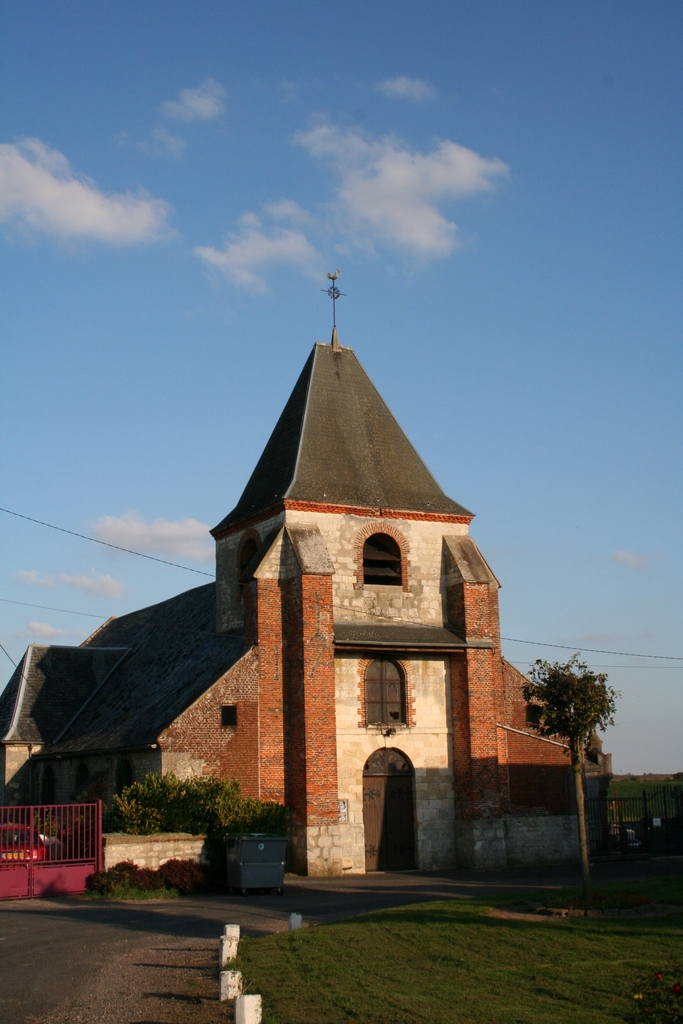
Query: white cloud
633, 561
32, 576
104, 585
403, 88
287, 209
252, 250
43, 631
290, 91
185, 538
200, 104
390, 193
164, 142
39, 190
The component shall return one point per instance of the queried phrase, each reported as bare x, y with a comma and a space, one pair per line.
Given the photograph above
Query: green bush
658, 997
206, 806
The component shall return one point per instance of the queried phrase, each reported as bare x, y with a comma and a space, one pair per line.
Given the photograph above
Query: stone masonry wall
152, 851
422, 597
531, 841
102, 772
427, 744
229, 607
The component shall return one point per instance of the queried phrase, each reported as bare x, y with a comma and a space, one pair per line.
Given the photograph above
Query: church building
346, 663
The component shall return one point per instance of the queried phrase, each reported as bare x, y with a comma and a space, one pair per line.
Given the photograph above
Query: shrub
184, 875
127, 879
658, 997
206, 806
126, 875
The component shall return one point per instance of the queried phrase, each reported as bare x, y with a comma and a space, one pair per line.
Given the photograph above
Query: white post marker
227, 946
229, 985
248, 1010
295, 921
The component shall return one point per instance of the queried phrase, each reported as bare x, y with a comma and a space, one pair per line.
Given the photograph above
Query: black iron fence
648, 824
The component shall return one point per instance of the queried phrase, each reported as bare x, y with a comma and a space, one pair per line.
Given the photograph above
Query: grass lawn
632, 787
453, 962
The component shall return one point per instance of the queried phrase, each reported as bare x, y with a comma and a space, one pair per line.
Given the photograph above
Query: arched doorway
388, 817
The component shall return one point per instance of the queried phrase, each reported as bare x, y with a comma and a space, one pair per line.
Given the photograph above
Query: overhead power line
11, 659
106, 544
201, 572
593, 650
50, 608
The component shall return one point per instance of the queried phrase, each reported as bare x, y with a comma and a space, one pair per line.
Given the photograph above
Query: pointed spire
337, 443
335, 339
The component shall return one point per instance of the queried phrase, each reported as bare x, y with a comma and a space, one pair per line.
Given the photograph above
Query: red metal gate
50, 849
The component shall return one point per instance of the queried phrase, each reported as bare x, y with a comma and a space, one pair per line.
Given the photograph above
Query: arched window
385, 697
382, 561
247, 552
82, 776
47, 786
124, 775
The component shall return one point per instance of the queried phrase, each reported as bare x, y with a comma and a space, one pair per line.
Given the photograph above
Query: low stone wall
152, 851
551, 839
489, 844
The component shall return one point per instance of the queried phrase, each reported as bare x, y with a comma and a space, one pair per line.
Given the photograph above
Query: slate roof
337, 443
128, 682
400, 636
47, 689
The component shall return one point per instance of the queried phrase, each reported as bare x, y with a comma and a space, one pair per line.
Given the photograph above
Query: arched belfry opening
382, 561
248, 549
388, 811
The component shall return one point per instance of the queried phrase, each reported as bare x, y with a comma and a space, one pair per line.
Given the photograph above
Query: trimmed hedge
205, 806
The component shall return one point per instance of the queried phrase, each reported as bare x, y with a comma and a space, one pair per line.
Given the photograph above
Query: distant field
635, 787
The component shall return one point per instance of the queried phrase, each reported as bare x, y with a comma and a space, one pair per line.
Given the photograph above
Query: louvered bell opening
382, 561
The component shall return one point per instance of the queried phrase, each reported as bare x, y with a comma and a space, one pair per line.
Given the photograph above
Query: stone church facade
346, 662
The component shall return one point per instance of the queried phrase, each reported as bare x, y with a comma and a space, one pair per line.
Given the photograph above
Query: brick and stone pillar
291, 595
311, 737
271, 710
477, 700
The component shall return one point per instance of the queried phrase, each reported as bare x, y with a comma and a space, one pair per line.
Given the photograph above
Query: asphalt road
72, 959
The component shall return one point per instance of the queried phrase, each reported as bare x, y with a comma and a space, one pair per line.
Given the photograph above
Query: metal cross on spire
334, 294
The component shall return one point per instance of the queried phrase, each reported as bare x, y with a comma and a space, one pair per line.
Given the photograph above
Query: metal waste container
256, 861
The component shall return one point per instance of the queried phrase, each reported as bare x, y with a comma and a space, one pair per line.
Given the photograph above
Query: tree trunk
577, 767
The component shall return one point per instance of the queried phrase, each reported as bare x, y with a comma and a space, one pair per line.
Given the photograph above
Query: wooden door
388, 814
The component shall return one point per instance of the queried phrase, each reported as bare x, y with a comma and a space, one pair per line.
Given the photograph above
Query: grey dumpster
256, 861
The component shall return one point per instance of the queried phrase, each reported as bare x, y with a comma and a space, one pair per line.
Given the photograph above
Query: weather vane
334, 294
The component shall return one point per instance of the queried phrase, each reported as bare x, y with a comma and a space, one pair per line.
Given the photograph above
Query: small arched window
124, 775
385, 697
382, 561
82, 776
247, 552
47, 786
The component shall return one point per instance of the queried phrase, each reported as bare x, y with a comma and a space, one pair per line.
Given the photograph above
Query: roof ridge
302, 428
21, 690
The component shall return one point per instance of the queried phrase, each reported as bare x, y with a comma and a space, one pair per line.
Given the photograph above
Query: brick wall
197, 741
308, 665
271, 696
478, 703
539, 772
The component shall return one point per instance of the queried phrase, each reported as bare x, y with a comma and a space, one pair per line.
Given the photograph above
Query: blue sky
499, 184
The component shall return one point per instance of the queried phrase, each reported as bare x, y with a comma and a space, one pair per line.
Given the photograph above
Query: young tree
571, 702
